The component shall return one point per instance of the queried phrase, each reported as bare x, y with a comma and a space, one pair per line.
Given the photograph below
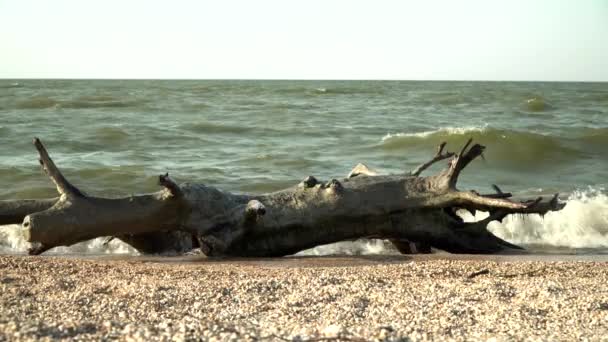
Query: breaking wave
583, 223
439, 133
489, 134
518, 148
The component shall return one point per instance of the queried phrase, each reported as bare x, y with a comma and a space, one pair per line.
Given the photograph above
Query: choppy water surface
114, 137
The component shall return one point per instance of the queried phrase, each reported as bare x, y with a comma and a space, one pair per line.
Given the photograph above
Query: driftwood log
408, 209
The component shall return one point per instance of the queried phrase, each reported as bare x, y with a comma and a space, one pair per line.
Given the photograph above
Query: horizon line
291, 79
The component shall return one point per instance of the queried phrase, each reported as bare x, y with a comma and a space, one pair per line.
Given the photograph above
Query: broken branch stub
406, 209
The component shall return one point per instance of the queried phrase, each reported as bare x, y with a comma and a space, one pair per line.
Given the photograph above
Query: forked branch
440, 155
462, 160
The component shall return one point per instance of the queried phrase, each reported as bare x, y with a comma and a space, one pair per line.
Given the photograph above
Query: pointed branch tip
464, 148
460, 161
441, 147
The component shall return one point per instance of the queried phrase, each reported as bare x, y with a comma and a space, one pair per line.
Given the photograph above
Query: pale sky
552, 40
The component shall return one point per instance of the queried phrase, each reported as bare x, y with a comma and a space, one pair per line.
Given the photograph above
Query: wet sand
313, 298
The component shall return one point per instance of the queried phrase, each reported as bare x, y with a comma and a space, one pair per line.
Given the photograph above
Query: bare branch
438, 157
472, 201
466, 157
63, 186
464, 148
461, 161
539, 207
501, 195
496, 188
498, 194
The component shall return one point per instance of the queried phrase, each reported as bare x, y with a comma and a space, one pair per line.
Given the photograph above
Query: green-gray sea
113, 137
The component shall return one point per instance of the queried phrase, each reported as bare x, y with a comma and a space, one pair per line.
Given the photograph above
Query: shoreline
325, 260
335, 298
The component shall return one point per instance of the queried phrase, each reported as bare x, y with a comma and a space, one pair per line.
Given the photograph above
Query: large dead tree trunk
404, 208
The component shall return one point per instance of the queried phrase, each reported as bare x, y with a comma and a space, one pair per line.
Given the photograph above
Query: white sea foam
583, 223
11, 239
443, 130
357, 247
12, 242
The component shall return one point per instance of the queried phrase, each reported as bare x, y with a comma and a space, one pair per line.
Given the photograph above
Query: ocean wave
591, 134
201, 89
111, 134
441, 132
537, 104
524, 147
43, 102
328, 90
211, 128
11, 85
583, 223
597, 136
99, 102
280, 106
38, 102
346, 91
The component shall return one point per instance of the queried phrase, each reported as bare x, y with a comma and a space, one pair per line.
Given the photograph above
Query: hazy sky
312, 39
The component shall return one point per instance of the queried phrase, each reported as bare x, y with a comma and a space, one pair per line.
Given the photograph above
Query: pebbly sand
303, 299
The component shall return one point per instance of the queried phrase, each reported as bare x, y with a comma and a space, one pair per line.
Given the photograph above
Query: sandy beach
303, 299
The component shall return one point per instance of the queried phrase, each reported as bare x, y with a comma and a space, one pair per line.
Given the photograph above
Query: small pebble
382, 298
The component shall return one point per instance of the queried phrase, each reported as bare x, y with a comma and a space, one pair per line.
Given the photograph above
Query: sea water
114, 137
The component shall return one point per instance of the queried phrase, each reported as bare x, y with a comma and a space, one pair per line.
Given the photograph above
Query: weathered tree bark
405, 208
